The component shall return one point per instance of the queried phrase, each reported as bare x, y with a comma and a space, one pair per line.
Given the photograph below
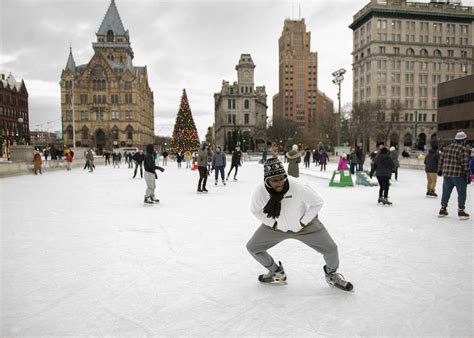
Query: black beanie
273, 167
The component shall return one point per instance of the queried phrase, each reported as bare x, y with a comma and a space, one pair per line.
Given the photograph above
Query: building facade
296, 99
42, 139
240, 110
401, 51
14, 116
456, 109
107, 103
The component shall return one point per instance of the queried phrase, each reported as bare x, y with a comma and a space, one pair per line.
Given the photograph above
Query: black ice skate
277, 277
204, 190
148, 201
223, 182
155, 200
463, 215
443, 212
337, 280
386, 201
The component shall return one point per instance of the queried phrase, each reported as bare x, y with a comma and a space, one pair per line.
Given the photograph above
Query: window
246, 104
110, 36
396, 50
69, 116
129, 133
114, 99
85, 134
229, 104
83, 98
99, 115
246, 118
423, 52
410, 51
115, 134
128, 115
382, 50
128, 98
115, 115
84, 115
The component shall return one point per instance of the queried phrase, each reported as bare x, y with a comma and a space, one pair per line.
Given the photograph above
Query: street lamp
415, 137
20, 130
338, 78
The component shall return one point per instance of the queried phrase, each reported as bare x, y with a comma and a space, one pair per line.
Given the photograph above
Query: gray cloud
185, 44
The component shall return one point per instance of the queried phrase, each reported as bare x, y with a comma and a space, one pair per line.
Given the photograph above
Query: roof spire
112, 22
71, 64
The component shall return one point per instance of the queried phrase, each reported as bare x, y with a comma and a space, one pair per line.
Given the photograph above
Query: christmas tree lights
185, 136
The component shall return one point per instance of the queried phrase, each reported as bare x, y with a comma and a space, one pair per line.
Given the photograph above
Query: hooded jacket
149, 162
431, 161
383, 165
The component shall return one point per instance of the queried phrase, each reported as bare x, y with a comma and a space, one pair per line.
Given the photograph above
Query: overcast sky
185, 44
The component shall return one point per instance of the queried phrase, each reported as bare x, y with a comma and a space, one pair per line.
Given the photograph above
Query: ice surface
82, 255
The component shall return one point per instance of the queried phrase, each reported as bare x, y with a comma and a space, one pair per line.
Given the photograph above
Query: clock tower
245, 70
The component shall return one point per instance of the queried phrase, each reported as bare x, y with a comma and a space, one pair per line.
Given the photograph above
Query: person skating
342, 165
235, 162
218, 163
165, 158
202, 159
138, 158
307, 158
130, 160
37, 162
431, 169
116, 159
382, 166
89, 160
323, 160
150, 175
294, 159
289, 209
454, 167
394, 157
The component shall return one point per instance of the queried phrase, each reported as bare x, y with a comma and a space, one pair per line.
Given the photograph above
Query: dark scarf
273, 206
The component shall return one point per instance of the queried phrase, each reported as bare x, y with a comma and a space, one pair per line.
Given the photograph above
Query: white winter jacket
300, 204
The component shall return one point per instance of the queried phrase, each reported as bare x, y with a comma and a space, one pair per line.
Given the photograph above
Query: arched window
115, 134
110, 36
69, 133
410, 51
437, 52
129, 132
231, 91
85, 133
103, 83
423, 52
246, 104
407, 140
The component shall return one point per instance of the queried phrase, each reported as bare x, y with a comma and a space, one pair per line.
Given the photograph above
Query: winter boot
155, 200
215, 183
380, 200
428, 193
199, 189
148, 200
385, 201
433, 193
277, 277
204, 190
443, 212
462, 214
223, 181
227, 178
337, 280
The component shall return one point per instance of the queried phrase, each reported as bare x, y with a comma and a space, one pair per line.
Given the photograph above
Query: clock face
246, 74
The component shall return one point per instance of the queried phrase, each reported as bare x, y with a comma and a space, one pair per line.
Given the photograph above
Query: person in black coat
150, 175
431, 169
307, 158
235, 162
383, 166
138, 158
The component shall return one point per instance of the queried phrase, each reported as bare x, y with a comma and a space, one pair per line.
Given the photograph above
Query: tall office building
298, 70
401, 51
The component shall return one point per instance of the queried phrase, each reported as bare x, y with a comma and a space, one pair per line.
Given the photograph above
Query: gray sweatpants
314, 235
150, 184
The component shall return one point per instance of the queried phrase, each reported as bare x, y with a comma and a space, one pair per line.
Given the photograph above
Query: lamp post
415, 138
338, 78
20, 130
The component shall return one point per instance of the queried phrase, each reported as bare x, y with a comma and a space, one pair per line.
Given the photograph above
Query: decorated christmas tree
185, 136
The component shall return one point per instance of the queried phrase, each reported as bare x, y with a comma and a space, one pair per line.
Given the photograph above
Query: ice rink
81, 255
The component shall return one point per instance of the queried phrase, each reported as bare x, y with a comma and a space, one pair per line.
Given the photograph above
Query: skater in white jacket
287, 209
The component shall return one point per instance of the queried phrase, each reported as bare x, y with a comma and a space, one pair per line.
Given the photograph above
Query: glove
161, 169
440, 173
371, 176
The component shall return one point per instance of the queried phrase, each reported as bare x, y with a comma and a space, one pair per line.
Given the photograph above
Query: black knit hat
273, 167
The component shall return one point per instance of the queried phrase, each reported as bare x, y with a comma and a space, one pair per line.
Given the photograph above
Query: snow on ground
81, 255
